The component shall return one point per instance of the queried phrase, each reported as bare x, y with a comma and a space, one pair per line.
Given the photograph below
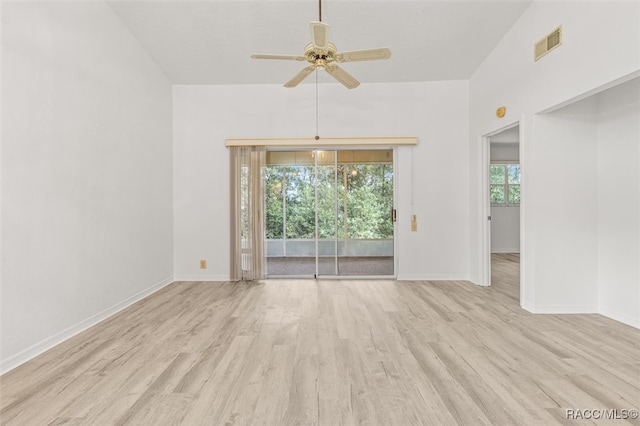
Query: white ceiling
210, 42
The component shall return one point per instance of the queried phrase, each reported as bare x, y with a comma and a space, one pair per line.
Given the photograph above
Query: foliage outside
504, 184
354, 201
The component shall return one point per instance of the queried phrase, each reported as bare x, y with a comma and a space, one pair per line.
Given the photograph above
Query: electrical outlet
203, 264
414, 223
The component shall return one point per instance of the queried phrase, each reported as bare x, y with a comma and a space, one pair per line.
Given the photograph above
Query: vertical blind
248, 256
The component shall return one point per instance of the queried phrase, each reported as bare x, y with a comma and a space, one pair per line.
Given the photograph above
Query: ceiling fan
321, 53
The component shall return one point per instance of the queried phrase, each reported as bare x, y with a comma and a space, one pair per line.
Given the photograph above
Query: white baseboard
505, 251
560, 309
620, 317
420, 277
527, 307
201, 278
48, 343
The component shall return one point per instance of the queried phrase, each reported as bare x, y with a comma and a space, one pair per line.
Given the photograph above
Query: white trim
594, 91
217, 278
506, 251
523, 203
484, 159
323, 142
48, 343
561, 309
396, 204
421, 277
623, 318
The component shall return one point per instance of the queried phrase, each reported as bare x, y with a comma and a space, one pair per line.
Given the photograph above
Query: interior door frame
484, 161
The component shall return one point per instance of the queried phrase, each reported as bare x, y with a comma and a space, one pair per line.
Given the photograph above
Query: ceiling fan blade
285, 57
342, 76
364, 55
320, 35
299, 77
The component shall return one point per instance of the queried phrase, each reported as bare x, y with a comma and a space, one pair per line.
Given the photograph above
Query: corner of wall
51, 341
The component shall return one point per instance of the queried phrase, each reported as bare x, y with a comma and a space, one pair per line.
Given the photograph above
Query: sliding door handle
393, 215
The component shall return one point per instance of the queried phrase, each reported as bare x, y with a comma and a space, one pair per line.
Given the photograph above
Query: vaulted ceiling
210, 42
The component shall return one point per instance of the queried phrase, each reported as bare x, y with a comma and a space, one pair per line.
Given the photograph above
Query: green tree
273, 200
292, 189
369, 201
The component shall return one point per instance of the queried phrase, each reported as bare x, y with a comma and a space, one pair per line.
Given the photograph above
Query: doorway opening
329, 213
502, 199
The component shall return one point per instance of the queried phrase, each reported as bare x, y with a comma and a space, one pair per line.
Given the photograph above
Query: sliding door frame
335, 149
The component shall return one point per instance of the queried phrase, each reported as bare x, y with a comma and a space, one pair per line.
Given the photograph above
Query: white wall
606, 127
585, 61
503, 151
505, 229
618, 119
550, 146
505, 220
563, 220
86, 173
434, 112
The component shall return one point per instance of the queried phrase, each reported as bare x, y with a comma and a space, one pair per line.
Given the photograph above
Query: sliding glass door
328, 213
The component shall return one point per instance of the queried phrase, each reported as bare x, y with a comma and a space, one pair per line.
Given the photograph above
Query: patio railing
327, 247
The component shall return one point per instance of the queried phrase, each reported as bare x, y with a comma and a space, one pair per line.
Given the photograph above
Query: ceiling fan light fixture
321, 53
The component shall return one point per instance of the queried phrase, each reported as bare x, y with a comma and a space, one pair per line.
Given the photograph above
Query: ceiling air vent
547, 43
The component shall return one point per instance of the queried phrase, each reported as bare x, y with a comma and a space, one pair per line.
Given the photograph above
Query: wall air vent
547, 43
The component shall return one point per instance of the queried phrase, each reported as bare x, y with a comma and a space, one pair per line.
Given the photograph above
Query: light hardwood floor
330, 353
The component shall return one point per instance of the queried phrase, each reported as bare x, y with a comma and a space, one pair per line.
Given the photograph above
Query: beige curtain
248, 256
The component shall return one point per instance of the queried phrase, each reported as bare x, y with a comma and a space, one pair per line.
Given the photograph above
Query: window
504, 188
365, 198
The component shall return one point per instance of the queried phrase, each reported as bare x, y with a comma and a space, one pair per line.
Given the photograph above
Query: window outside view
352, 213
504, 186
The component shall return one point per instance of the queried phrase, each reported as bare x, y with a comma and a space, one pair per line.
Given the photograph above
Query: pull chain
317, 114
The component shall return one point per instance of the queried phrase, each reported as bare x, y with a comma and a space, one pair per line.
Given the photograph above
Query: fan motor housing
320, 58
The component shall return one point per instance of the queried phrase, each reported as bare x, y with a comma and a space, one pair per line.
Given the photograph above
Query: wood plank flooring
295, 352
